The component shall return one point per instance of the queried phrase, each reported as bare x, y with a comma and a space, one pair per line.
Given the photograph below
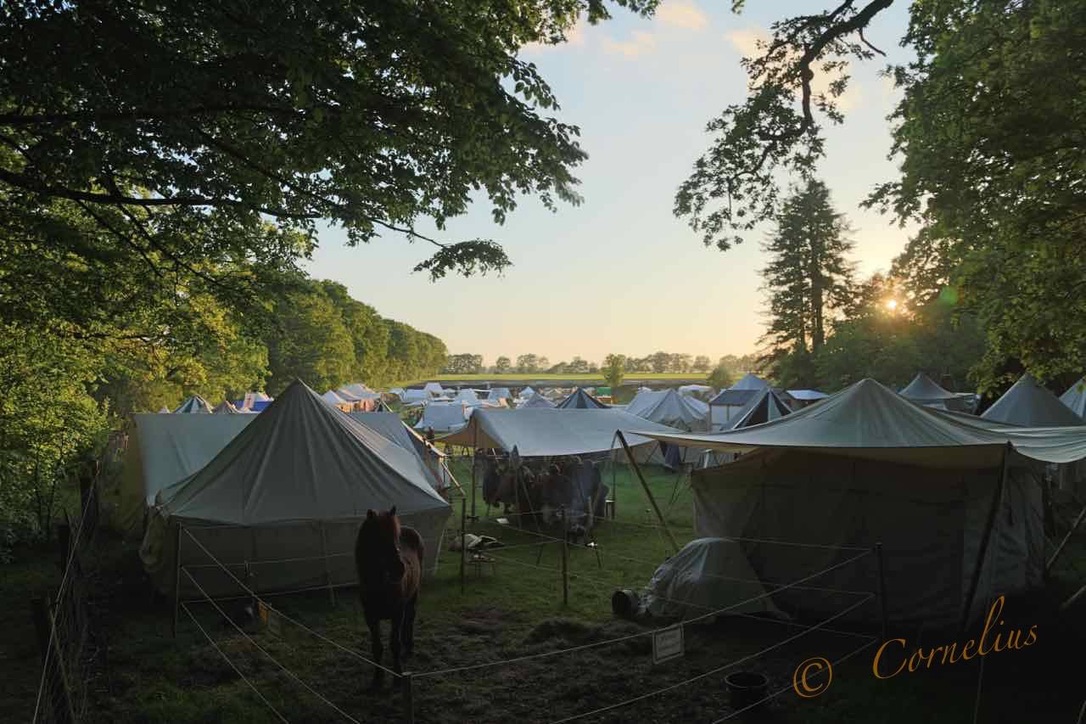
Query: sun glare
891, 304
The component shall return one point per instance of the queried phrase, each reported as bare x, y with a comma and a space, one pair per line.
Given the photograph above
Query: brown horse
389, 562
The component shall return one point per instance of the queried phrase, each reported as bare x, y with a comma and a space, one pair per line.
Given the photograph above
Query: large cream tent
1028, 404
279, 507
163, 449
443, 417
668, 407
957, 505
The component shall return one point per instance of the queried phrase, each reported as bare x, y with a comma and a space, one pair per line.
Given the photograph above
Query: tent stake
645, 485
986, 538
1066, 538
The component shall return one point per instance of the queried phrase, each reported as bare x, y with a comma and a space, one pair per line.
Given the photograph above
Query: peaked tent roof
536, 401
302, 460
194, 404
807, 395
741, 392
527, 392
1028, 404
164, 410
359, 391
766, 405
925, 388
499, 393
434, 388
870, 420
1075, 398
670, 408
542, 433
581, 400
226, 407
467, 395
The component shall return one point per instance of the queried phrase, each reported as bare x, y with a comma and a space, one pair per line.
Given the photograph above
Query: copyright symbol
809, 669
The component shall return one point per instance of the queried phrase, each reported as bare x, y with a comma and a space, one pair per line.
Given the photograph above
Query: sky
620, 273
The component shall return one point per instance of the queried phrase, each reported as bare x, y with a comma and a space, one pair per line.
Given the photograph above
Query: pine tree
808, 278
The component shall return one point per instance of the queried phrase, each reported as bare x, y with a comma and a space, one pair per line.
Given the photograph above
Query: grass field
512, 610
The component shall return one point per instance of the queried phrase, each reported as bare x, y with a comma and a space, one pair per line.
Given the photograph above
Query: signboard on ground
667, 643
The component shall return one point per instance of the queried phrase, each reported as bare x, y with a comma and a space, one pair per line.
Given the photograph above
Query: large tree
808, 278
989, 140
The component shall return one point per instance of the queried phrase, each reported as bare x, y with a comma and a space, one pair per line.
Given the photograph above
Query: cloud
682, 14
745, 40
638, 44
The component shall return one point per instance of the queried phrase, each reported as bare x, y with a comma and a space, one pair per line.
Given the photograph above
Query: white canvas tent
668, 407
707, 574
335, 400
1028, 404
554, 432
956, 505
434, 389
1075, 398
226, 407
497, 394
468, 396
280, 506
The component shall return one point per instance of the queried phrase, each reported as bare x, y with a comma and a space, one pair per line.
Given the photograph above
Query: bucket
624, 603
745, 688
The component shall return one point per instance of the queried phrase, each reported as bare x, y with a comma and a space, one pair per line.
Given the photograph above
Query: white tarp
1028, 404
333, 399
444, 417
708, 574
553, 432
283, 501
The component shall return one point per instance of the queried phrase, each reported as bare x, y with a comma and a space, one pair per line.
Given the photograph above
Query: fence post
565, 557
463, 541
409, 697
882, 590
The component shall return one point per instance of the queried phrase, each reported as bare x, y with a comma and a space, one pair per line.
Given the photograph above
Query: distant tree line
658, 362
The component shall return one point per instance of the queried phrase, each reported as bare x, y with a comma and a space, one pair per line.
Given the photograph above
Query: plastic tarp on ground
1075, 398
708, 574
194, 404
444, 417
163, 449
579, 399
1028, 404
867, 466
668, 407
555, 432
281, 504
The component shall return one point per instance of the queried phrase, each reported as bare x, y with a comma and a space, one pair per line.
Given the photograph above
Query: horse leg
395, 641
375, 635
409, 626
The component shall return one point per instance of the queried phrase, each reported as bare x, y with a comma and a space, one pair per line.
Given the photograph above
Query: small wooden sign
269, 617
667, 644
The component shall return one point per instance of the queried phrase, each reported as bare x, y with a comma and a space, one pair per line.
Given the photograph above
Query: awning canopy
553, 432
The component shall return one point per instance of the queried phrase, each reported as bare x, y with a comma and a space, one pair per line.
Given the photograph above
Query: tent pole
1078, 594
645, 485
1066, 538
985, 540
177, 581
474, 465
